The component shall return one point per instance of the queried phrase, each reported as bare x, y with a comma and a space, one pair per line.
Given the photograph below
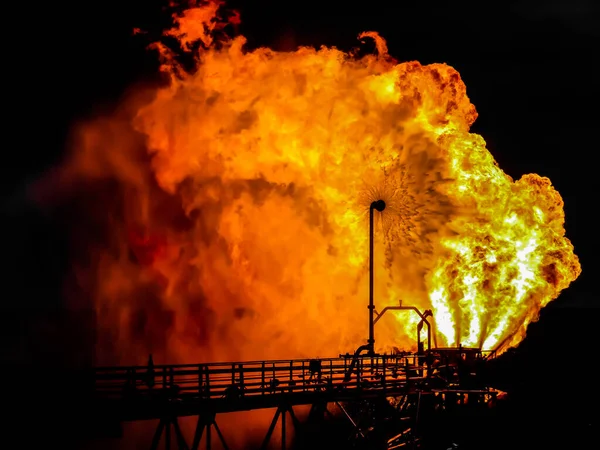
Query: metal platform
140, 393
167, 392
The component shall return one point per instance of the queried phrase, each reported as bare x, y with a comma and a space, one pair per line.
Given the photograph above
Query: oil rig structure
409, 383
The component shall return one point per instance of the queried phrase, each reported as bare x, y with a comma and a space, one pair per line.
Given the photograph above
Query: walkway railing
257, 378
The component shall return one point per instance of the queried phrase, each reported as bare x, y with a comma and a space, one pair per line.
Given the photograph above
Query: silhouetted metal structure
206, 390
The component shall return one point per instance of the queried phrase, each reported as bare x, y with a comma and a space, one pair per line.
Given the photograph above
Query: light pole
369, 347
378, 205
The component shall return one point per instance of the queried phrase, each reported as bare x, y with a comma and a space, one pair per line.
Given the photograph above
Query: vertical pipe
428, 336
371, 340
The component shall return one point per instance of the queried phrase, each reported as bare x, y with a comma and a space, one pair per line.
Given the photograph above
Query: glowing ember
274, 157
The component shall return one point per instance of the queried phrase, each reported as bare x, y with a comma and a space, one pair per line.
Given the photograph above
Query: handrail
256, 378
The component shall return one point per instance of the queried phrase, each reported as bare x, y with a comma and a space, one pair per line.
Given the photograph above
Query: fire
248, 218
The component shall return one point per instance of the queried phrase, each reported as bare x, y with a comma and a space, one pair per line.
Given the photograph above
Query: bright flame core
274, 158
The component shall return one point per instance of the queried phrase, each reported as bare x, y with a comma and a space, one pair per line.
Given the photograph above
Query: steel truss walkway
167, 392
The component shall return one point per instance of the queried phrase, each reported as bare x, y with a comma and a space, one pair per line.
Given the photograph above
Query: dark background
531, 68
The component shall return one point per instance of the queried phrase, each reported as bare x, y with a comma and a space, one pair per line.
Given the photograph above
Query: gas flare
243, 230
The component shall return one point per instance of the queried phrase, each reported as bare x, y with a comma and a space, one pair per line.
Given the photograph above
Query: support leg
270, 430
208, 436
167, 434
164, 426
206, 424
181, 443
200, 425
157, 435
300, 438
283, 433
295, 420
221, 438
282, 411
359, 431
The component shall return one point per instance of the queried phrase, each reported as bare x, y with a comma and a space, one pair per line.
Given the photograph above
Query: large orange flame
270, 161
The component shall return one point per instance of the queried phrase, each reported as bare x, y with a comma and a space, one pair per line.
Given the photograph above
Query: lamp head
379, 205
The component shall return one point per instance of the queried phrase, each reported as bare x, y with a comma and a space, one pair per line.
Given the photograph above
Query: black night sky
531, 68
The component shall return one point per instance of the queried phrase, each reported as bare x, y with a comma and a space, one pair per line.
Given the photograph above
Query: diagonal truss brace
164, 427
207, 422
282, 410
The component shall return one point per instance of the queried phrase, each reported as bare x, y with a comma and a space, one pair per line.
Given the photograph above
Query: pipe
357, 353
368, 347
423, 317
